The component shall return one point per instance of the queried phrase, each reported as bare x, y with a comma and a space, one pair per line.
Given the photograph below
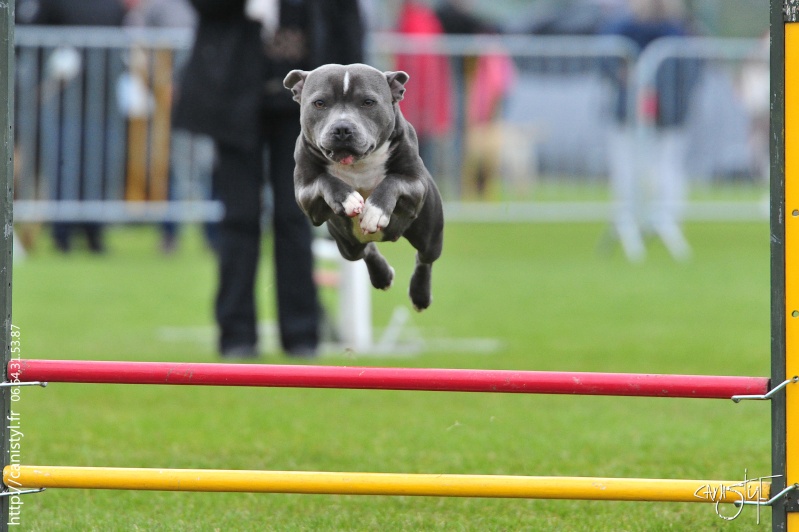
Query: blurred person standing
459, 18
72, 13
429, 110
232, 90
481, 82
754, 90
667, 109
170, 14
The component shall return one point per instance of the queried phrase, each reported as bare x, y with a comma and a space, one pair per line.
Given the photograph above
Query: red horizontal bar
450, 380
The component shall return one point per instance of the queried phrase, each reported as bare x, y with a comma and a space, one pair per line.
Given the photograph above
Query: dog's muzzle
342, 143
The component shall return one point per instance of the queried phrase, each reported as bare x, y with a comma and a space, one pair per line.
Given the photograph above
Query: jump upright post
785, 254
379, 378
7, 238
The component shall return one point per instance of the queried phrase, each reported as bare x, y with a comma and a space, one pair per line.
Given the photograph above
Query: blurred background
733, 18
637, 115
642, 114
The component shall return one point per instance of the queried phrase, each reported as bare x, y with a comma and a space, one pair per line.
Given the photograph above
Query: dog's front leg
326, 196
395, 194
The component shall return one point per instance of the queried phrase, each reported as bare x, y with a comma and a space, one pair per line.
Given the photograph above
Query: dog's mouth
341, 157
345, 157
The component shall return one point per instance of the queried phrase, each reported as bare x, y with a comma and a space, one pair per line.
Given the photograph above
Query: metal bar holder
769, 395
31, 383
772, 500
9, 493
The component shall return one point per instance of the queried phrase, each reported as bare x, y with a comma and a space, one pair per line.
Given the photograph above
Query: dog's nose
341, 131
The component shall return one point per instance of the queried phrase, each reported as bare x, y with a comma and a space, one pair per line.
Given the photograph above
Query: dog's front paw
373, 219
353, 204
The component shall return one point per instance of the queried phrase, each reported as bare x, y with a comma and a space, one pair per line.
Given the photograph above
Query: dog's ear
294, 82
396, 82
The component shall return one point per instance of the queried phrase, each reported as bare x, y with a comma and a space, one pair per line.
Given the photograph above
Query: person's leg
671, 185
52, 138
237, 184
169, 230
626, 189
61, 236
297, 303
94, 236
670, 190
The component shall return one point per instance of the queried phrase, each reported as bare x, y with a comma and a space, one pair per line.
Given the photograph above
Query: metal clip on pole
769, 395
31, 383
8, 493
772, 500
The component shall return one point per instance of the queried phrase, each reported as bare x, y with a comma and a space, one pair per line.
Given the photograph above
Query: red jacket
427, 104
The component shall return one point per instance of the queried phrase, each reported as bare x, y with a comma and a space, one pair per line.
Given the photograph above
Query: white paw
373, 219
353, 205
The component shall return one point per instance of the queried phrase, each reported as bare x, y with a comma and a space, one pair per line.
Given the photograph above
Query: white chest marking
346, 81
366, 174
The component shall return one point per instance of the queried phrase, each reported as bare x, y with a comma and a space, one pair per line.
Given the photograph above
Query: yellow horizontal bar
585, 488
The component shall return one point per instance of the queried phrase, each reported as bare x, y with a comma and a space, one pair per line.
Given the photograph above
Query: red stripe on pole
451, 380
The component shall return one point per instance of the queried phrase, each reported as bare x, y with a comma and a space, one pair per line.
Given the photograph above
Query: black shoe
240, 352
301, 351
169, 244
62, 244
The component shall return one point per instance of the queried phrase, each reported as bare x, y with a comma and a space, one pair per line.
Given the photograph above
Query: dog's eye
368, 103
319, 104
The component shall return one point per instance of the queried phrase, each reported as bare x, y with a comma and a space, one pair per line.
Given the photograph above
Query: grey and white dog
358, 169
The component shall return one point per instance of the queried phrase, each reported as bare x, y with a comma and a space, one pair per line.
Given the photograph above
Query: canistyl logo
14, 487
747, 492
14, 386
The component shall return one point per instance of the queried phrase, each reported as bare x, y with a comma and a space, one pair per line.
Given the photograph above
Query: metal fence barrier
513, 118
512, 127
93, 134
700, 147
582, 128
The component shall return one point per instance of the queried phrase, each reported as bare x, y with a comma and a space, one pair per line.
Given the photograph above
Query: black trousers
238, 181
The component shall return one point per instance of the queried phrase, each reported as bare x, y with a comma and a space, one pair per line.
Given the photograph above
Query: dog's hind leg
428, 249
380, 271
420, 291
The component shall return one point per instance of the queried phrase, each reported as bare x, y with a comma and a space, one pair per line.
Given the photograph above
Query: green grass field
546, 294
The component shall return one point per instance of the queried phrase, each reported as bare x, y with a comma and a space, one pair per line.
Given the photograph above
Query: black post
777, 150
6, 211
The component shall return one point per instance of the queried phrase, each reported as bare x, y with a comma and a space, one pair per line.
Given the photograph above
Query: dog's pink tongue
349, 159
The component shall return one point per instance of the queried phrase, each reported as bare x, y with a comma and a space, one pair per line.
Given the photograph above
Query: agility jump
377, 378
779, 493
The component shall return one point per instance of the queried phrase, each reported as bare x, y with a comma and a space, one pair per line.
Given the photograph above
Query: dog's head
347, 111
